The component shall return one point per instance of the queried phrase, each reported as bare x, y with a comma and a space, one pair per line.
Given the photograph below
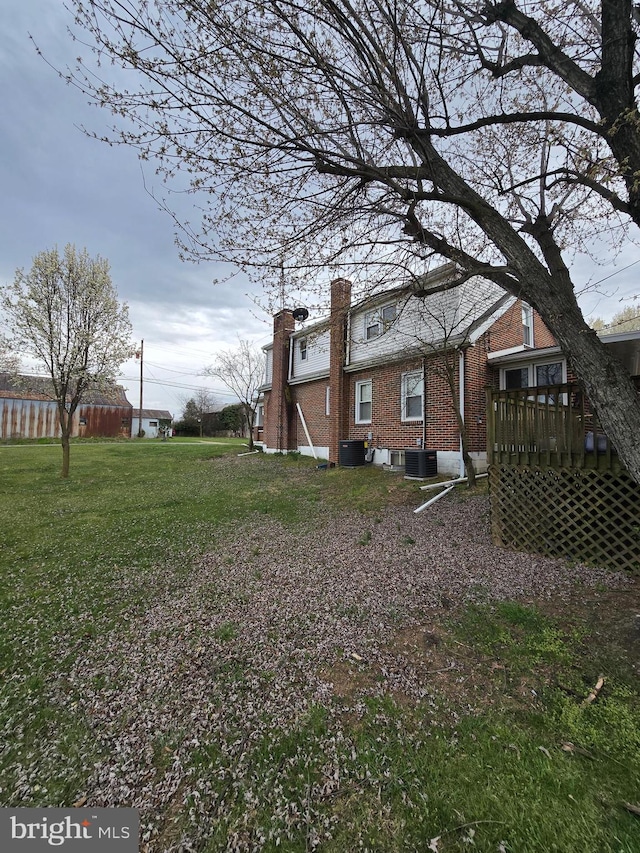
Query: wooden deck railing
550, 426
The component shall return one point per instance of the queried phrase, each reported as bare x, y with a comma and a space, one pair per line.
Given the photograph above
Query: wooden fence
557, 485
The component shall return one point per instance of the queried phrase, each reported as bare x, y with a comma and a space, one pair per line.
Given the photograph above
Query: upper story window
378, 321
363, 402
412, 396
303, 349
527, 325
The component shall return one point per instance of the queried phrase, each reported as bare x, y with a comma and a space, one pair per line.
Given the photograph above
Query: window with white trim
378, 321
363, 401
533, 374
527, 325
412, 396
259, 421
550, 374
327, 401
303, 349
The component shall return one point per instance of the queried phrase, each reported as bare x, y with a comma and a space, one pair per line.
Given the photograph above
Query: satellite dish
300, 314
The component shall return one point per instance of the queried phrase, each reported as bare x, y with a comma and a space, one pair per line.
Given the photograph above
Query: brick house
380, 370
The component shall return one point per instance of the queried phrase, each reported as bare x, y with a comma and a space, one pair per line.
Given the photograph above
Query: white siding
317, 360
424, 321
149, 431
268, 370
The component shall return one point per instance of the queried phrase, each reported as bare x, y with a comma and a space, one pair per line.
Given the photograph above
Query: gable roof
160, 414
26, 387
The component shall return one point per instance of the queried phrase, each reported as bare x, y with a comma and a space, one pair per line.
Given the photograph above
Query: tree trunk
65, 441
250, 416
470, 471
65, 419
607, 384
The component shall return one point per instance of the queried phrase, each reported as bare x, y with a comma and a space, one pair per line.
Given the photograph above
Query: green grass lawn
522, 774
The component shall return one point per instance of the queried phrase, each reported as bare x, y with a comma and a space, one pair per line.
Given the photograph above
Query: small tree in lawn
242, 371
65, 313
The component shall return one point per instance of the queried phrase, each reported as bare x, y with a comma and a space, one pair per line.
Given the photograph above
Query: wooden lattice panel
580, 514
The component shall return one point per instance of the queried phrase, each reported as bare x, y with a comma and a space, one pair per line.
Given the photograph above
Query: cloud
61, 186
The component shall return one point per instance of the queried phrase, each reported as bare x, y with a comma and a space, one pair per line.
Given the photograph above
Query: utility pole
140, 354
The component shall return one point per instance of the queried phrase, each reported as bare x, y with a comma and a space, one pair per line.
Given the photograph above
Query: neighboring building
377, 370
153, 420
28, 410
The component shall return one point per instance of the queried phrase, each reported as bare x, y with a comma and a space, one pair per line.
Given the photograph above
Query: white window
549, 374
372, 326
516, 377
363, 402
259, 415
153, 423
378, 321
527, 325
327, 401
532, 375
303, 349
412, 396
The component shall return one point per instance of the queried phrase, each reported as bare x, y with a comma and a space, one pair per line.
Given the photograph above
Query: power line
617, 272
168, 384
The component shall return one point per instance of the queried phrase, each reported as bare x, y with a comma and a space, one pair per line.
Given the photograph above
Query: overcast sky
58, 186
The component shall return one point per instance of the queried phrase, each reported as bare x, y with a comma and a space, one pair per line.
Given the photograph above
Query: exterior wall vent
396, 458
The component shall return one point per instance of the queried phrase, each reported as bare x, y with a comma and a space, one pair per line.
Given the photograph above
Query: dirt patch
604, 612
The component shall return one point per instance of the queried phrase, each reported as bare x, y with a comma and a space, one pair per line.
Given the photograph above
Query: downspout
424, 405
347, 348
291, 347
461, 402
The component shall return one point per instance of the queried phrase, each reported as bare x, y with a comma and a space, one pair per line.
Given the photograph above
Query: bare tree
242, 371
626, 320
378, 134
65, 313
197, 407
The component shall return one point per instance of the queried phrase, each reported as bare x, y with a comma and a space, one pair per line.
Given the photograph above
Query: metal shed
28, 410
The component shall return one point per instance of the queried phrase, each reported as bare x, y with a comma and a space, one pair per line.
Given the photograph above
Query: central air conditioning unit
420, 463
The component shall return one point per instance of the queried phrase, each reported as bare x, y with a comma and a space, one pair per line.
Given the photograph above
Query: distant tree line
196, 422
626, 320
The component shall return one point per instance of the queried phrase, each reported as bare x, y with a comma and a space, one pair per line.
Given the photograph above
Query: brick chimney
338, 381
277, 418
